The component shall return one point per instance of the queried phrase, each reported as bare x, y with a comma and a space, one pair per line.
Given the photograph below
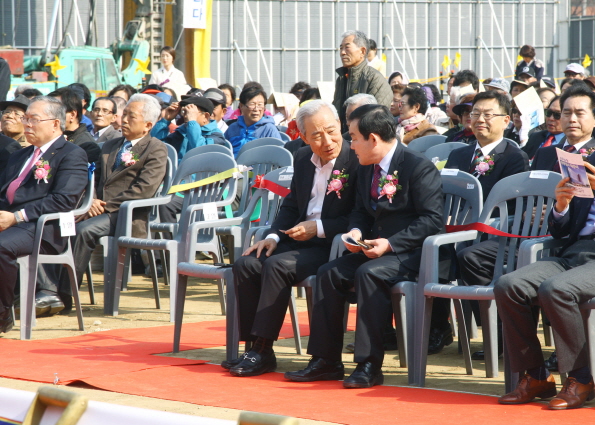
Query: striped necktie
476, 159
375, 183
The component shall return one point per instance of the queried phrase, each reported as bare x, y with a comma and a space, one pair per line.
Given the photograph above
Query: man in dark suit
7, 147
47, 177
300, 238
130, 167
103, 113
399, 203
552, 136
558, 284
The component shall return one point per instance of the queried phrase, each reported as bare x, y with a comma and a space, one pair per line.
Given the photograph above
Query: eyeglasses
13, 113
549, 113
254, 106
97, 111
487, 117
34, 121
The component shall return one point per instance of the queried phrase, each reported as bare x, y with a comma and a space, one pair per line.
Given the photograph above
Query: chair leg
75, 294
89, 274
419, 358
590, 332
463, 336
489, 324
453, 320
27, 299
232, 318
181, 300
165, 267
116, 281
295, 324
127, 273
400, 311
154, 278
173, 283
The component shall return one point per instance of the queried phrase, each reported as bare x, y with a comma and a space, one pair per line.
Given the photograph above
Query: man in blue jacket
253, 124
198, 128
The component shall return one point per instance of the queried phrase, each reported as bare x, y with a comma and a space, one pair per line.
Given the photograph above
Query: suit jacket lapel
395, 165
137, 150
47, 156
25, 154
339, 165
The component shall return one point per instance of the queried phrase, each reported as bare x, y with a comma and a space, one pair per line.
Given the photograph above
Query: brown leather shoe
528, 388
573, 395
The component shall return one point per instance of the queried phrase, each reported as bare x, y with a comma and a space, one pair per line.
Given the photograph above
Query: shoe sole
240, 373
325, 377
378, 381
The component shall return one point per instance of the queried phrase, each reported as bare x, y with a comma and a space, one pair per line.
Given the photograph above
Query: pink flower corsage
586, 152
484, 166
42, 171
389, 186
128, 159
337, 183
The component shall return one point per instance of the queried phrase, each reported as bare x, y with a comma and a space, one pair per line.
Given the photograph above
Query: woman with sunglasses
552, 135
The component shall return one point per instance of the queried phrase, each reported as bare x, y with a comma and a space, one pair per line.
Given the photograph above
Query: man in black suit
552, 136
300, 238
399, 203
558, 285
28, 190
7, 147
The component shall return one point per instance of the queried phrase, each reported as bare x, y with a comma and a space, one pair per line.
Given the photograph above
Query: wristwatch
18, 217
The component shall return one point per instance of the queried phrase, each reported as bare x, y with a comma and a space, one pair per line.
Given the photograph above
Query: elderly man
558, 285
25, 194
575, 71
399, 204
300, 238
355, 76
12, 112
103, 114
130, 167
355, 102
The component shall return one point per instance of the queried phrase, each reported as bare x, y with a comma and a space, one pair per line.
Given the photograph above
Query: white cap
576, 68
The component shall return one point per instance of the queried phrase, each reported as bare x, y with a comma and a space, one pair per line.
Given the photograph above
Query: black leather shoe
318, 369
439, 339
6, 321
254, 364
228, 364
480, 355
365, 375
552, 362
47, 303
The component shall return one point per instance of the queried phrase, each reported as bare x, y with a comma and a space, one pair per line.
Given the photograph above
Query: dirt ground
137, 309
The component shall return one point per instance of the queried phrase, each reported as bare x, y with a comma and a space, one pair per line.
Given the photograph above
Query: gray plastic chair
270, 204
207, 148
261, 142
531, 196
28, 265
202, 167
442, 150
285, 137
424, 143
172, 156
282, 128
463, 197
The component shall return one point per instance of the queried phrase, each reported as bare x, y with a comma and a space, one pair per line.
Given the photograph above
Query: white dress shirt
487, 148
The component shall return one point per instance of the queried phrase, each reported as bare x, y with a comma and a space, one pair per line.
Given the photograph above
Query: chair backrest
207, 148
227, 144
533, 199
172, 160
442, 150
263, 160
261, 142
424, 143
87, 198
282, 128
285, 137
463, 198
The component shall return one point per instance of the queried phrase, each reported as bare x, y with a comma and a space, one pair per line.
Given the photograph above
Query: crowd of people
385, 199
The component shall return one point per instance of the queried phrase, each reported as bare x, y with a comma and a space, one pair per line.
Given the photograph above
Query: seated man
130, 167
558, 285
300, 238
26, 195
11, 125
399, 203
219, 100
103, 113
553, 135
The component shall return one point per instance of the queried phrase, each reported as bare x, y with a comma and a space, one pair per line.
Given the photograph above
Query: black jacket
7, 146
81, 137
546, 158
535, 141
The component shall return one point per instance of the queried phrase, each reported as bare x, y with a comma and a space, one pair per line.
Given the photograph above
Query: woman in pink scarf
412, 121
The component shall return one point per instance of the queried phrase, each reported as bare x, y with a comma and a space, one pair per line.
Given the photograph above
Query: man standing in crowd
24, 196
103, 113
300, 238
558, 285
355, 76
399, 203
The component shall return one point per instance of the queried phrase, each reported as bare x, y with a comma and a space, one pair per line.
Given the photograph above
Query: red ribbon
482, 227
277, 189
258, 181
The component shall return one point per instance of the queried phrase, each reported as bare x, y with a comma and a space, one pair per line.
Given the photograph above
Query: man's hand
355, 235
268, 244
564, 195
191, 112
379, 248
7, 220
96, 208
303, 231
171, 111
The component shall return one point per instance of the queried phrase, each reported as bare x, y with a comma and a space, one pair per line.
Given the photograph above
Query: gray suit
109, 134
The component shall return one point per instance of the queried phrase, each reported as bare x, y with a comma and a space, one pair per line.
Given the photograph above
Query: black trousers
15, 242
372, 280
559, 285
264, 284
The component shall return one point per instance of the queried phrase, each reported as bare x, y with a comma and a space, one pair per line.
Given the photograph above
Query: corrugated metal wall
299, 39
25, 23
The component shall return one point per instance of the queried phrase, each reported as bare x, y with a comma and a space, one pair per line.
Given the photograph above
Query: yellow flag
519, 58
445, 62
587, 61
383, 58
457, 60
55, 66
142, 66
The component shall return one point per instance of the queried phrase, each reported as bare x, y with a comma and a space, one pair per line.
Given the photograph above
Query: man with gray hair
130, 167
299, 241
356, 77
47, 177
355, 102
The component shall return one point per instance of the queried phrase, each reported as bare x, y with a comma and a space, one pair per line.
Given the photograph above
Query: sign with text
195, 14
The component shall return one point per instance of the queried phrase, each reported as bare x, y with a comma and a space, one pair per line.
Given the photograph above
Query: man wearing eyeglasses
11, 116
12, 112
47, 177
491, 159
551, 136
103, 113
